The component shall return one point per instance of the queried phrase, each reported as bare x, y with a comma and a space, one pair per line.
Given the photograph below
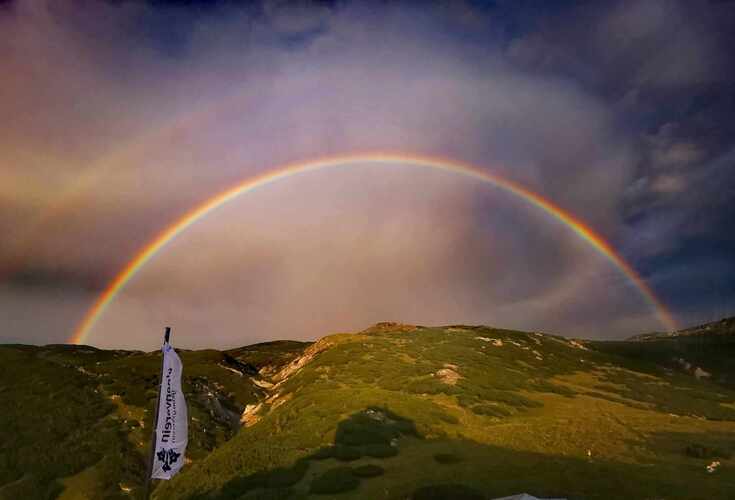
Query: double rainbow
197, 213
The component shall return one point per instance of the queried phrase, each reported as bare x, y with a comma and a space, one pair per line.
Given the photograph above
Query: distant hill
724, 327
395, 411
705, 351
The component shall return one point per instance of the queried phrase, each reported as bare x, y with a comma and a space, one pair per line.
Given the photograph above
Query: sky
119, 117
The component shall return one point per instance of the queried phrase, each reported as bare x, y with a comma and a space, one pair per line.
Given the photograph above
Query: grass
517, 426
95, 408
700, 451
54, 423
369, 417
711, 347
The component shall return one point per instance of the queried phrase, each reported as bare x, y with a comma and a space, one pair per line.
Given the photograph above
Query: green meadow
394, 412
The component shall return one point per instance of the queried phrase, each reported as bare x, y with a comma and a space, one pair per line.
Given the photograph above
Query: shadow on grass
444, 469
373, 432
694, 445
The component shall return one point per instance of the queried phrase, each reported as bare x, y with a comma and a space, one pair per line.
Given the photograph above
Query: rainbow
197, 213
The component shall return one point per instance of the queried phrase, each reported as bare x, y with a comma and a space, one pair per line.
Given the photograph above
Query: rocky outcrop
236, 364
495, 342
389, 326
250, 415
301, 361
448, 375
213, 400
253, 412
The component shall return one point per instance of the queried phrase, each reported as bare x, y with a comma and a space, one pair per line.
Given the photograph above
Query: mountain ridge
725, 326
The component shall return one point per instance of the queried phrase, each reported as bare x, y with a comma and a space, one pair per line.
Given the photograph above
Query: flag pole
154, 437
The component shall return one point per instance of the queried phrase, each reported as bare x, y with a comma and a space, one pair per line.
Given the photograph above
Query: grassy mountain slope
76, 420
395, 411
472, 412
706, 351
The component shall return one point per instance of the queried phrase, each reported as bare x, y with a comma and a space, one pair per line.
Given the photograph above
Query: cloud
128, 114
621, 46
668, 184
295, 18
664, 41
667, 151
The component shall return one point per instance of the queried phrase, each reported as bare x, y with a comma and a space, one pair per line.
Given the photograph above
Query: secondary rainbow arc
94, 313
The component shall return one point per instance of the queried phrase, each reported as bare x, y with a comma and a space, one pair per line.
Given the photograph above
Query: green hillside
705, 351
395, 411
75, 419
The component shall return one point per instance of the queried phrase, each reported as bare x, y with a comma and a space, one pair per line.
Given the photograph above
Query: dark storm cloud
666, 68
56, 278
619, 112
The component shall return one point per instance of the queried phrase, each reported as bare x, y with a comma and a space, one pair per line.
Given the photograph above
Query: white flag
172, 429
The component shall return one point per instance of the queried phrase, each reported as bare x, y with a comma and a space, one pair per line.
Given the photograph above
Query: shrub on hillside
447, 492
346, 453
369, 470
323, 453
701, 451
380, 450
270, 494
287, 476
491, 410
337, 480
430, 386
447, 458
544, 386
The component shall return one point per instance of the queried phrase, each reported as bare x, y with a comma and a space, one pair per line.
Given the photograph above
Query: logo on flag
168, 457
